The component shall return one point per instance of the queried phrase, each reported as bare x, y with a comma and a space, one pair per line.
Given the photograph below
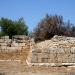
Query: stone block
44, 60
19, 48
45, 55
53, 57
39, 55
67, 50
53, 50
2, 40
38, 50
21, 37
34, 59
60, 50
59, 58
14, 44
8, 40
6, 51
11, 49
65, 58
3, 44
73, 50
72, 60
21, 44
5, 37
3, 47
46, 50
23, 47
3, 51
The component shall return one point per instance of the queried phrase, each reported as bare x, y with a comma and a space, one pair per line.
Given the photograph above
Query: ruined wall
60, 50
17, 43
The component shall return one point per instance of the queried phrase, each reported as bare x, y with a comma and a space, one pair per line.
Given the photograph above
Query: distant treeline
49, 26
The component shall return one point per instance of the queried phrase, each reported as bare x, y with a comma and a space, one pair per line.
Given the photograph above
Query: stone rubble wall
17, 43
60, 50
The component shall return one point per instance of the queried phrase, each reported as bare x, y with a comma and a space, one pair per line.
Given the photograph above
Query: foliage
50, 26
10, 28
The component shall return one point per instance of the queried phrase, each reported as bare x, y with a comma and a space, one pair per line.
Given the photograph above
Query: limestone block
6, 51
3, 50
8, 40
19, 48
46, 50
20, 41
65, 58
39, 60
1, 40
72, 60
73, 50
23, 47
3, 44
23, 41
14, 44
44, 60
67, 50
53, 50
39, 55
3, 47
53, 57
11, 49
60, 50
38, 50
34, 59
45, 55
21, 37
52, 60
60, 58
21, 44
5, 37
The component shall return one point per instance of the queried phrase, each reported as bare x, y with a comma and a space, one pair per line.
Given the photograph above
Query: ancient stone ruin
59, 51
17, 43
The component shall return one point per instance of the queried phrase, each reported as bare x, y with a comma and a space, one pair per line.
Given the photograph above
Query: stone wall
59, 51
17, 43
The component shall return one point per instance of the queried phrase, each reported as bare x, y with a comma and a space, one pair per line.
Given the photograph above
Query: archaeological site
26, 55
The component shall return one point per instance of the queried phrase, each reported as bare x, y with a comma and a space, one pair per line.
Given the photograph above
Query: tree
20, 27
50, 26
10, 28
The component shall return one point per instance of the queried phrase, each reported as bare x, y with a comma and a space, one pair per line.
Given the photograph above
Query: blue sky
34, 10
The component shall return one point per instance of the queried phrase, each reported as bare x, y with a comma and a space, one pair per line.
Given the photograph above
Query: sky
34, 10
